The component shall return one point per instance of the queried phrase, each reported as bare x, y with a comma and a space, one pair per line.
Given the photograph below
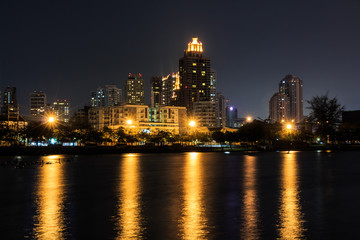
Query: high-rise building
61, 109
220, 110
204, 113
194, 70
170, 84
10, 107
156, 91
231, 113
134, 89
98, 98
278, 109
213, 85
287, 104
113, 96
37, 104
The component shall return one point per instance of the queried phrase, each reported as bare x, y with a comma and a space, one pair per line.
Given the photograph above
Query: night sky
68, 49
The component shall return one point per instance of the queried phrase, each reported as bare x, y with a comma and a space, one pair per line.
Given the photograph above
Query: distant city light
289, 126
231, 108
249, 119
129, 121
51, 119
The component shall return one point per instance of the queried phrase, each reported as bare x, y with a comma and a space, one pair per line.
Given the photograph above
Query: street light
129, 121
249, 119
289, 126
192, 123
51, 119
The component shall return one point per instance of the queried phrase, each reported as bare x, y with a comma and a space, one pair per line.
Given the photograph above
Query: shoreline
94, 150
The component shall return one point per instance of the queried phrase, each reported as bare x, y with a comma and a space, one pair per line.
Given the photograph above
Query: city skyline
251, 45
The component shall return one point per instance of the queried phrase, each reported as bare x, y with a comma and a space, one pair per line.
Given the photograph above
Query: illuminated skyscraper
37, 103
134, 89
170, 84
113, 96
287, 104
98, 98
156, 90
292, 87
195, 76
10, 107
61, 109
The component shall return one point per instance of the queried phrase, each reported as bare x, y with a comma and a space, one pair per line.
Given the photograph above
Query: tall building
204, 113
10, 107
156, 91
170, 84
98, 98
278, 110
194, 70
61, 109
220, 110
37, 104
134, 89
231, 113
287, 104
292, 87
113, 96
213, 85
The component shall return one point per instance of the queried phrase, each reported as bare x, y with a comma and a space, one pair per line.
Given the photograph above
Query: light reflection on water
291, 217
49, 217
250, 229
193, 221
129, 217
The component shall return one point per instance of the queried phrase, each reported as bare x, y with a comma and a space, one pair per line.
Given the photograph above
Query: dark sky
69, 48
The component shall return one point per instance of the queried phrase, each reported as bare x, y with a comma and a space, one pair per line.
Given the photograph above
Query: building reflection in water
129, 217
291, 218
50, 217
193, 222
250, 229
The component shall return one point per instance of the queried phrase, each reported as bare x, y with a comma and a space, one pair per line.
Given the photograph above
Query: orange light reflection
291, 217
193, 222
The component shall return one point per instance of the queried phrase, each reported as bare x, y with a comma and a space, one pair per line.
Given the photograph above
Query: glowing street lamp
192, 123
129, 121
51, 119
289, 127
249, 119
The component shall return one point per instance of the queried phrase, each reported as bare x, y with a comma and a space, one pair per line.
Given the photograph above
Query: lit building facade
98, 98
139, 118
113, 95
135, 89
204, 113
287, 104
278, 110
61, 110
10, 107
213, 85
156, 91
220, 111
170, 84
292, 87
37, 104
195, 77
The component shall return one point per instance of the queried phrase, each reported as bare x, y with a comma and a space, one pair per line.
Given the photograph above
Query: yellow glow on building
129, 222
193, 222
177, 80
291, 220
49, 217
195, 46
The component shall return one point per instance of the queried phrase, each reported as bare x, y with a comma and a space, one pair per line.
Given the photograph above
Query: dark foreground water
314, 195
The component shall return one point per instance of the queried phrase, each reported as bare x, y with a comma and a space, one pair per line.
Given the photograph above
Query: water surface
283, 195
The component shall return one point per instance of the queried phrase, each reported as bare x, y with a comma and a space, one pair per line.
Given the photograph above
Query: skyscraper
278, 107
220, 110
61, 110
134, 89
287, 104
113, 96
194, 70
10, 107
170, 84
292, 87
213, 85
156, 91
37, 103
98, 98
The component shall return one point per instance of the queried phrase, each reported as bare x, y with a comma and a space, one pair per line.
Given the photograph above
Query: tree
326, 114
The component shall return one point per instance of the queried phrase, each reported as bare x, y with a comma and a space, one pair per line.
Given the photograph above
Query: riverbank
92, 150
